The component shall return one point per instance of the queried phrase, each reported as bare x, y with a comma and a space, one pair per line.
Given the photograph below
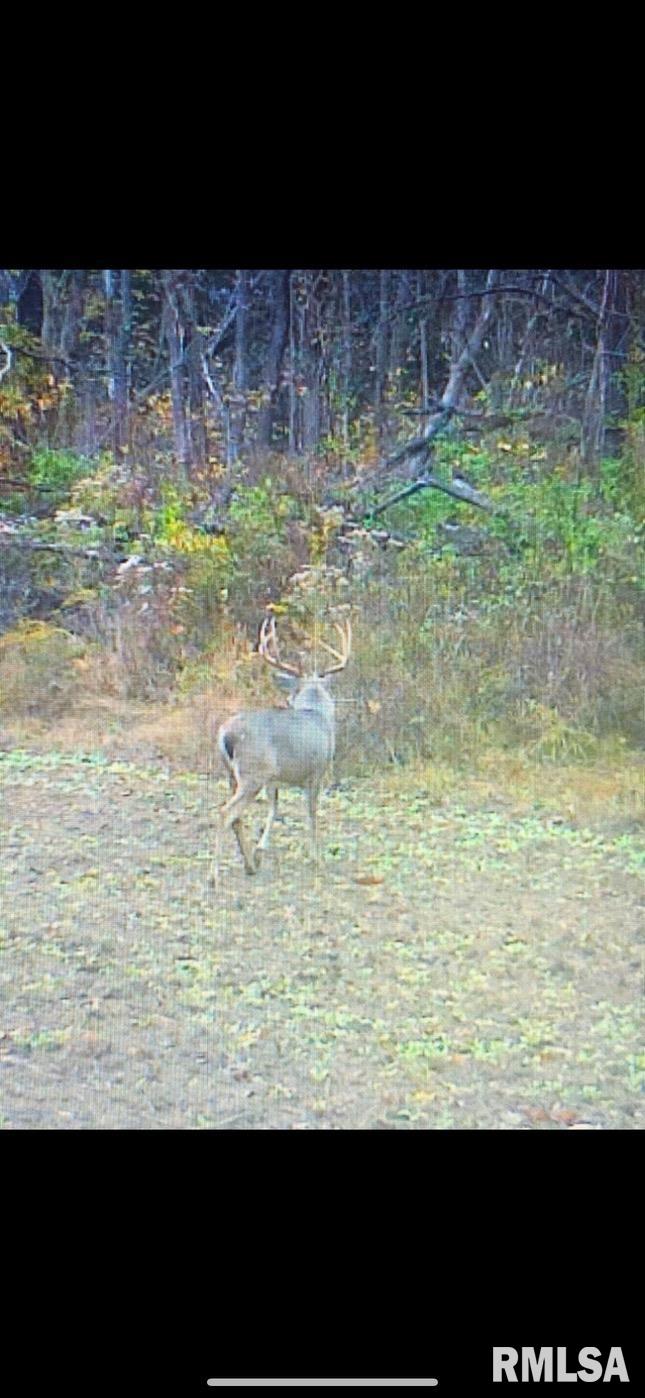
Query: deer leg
313, 793
272, 793
231, 815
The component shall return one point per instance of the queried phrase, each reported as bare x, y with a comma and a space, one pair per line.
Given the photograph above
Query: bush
456, 654
38, 669
258, 533
57, 471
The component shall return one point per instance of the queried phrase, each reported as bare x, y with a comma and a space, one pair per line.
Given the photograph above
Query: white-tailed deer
281, 747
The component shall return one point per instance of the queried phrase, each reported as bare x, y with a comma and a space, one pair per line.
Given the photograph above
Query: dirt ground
446, 967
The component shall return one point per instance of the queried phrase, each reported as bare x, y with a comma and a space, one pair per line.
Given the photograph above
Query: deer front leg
272, 793
313, 793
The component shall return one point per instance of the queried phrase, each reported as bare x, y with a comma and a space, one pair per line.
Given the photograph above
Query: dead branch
26, 485
9, 539
462, 491
5, 348
419, 447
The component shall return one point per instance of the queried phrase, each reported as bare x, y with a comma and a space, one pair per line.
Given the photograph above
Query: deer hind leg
231, 816
272, 793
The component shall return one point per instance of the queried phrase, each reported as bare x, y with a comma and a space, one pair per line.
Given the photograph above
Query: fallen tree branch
27, 485
419, 447
442, 415
8, 539
462, 491
434, 406
482, 421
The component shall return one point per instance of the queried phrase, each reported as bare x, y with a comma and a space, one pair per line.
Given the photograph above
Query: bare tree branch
592, 309
431, 298
211, 349
7, 351
419, 447
482, 420
462, 491
27, 485
582, 306
10, 539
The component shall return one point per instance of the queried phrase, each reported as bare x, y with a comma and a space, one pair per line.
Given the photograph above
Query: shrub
38, 674
56, 470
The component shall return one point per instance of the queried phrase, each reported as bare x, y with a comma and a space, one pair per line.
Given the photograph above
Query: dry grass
606, 790
527, 708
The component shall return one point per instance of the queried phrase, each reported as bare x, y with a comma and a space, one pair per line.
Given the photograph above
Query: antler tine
345, 633
330, 649
268, 637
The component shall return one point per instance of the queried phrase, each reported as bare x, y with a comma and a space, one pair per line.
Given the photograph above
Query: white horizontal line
322, 1383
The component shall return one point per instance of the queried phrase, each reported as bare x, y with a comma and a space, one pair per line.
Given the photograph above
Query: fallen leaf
536, 1114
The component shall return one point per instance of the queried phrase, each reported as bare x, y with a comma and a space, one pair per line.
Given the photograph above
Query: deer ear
290, 683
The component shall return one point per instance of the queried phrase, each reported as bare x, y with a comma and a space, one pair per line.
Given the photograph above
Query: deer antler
269, 638
342, 656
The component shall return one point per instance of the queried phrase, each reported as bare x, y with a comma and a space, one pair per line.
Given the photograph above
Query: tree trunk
29, 308
122, 361
347, 356
381, 353
69, 343
116, 336
593, 422
423, 351
240, 369
527, 342
618, 335
311, 368
293, 401
51, 311
241, 318
173, 334
275, 355
397, 327
71, 327
196, 442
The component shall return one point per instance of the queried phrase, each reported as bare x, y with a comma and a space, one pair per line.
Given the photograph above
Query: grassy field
467, 955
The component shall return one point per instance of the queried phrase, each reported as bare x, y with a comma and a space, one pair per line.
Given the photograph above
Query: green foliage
533, 641
519, 630
257, 515
56, 470
257, 536
556, 740
206, 559
553, 519
168, 521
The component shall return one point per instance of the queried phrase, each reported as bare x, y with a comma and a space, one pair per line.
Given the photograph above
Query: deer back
293, 745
